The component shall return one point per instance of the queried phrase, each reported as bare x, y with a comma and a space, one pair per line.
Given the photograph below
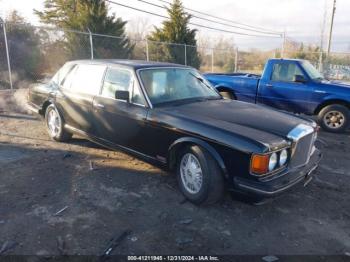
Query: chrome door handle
269, 85
98, 105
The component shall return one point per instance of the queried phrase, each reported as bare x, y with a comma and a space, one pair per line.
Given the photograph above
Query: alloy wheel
191, 173
53, 122
334, 119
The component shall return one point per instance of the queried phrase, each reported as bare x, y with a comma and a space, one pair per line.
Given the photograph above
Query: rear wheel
334, 118
55, 125
227, 95
199, 176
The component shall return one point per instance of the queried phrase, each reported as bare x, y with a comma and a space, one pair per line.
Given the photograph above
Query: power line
194, 24
212, 21
224, 19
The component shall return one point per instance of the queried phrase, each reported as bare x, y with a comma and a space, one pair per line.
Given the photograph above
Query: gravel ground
72, 198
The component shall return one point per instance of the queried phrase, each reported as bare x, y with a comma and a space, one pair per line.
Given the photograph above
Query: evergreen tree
84, 15
175, 30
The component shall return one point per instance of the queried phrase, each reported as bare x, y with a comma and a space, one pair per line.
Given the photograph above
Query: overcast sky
301, 19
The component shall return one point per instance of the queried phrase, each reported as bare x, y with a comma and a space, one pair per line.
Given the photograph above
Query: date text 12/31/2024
173, 258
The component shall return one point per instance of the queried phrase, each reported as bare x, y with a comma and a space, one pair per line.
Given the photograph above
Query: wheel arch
222, 87
333, 101
44, 107
46, 104
184, 141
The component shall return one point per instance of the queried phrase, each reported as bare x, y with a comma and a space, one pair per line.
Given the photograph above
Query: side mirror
122, 95
299, 79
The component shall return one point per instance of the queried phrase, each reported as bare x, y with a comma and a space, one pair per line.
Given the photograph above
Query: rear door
62, 102
77, 92
118, 121
280, 90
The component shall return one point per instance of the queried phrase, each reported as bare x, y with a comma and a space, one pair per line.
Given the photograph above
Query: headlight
262, 164
272, 162
283, 157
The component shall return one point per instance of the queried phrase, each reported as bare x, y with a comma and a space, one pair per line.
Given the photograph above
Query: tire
334, 118
56, 127
211, 189
227, 95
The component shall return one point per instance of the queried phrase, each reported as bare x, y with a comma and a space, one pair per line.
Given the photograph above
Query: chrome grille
303, 137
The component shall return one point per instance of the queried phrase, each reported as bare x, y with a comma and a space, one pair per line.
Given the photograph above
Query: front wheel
199, 176
55, 125
334, 118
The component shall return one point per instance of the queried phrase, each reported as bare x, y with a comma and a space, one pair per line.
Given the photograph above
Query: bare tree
137, 31
139, 28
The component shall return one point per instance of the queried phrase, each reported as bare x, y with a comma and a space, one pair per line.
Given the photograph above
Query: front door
282, 92
118, 121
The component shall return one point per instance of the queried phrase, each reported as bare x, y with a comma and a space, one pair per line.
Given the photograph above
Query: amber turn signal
260, 164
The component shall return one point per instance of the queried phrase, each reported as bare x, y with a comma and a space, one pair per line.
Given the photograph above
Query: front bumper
279, 183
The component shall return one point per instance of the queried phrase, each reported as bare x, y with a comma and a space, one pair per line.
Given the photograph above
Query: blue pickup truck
292, 85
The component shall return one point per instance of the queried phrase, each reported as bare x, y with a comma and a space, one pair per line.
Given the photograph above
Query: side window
137, 96
67, 81
121, 80
61, 73
88, 79
116, 80
285, 72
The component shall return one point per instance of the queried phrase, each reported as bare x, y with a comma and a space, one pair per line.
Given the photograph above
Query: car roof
135, 64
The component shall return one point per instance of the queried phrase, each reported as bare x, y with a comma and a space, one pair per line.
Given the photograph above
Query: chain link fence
38, 52
337, 66
4, 72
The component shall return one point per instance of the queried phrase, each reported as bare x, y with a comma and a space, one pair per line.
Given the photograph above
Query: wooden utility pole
331, 29
320, 62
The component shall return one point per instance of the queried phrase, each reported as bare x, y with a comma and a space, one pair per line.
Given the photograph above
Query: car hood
253, 122
337, 84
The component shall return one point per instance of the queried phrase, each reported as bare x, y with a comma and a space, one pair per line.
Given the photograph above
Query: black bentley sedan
170, 115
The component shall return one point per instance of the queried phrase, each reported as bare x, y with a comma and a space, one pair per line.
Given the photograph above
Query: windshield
164, 85
312, 71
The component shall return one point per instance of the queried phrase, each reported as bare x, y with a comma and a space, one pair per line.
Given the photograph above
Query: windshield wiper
201, 80
207, 98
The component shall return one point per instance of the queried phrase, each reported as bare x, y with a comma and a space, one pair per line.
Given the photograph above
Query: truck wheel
55, 125
227, 95
334, 118
199, 176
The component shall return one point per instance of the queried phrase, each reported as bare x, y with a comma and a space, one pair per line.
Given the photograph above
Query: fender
336, 97
332, 99
209, 148
223, 85
47, 102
